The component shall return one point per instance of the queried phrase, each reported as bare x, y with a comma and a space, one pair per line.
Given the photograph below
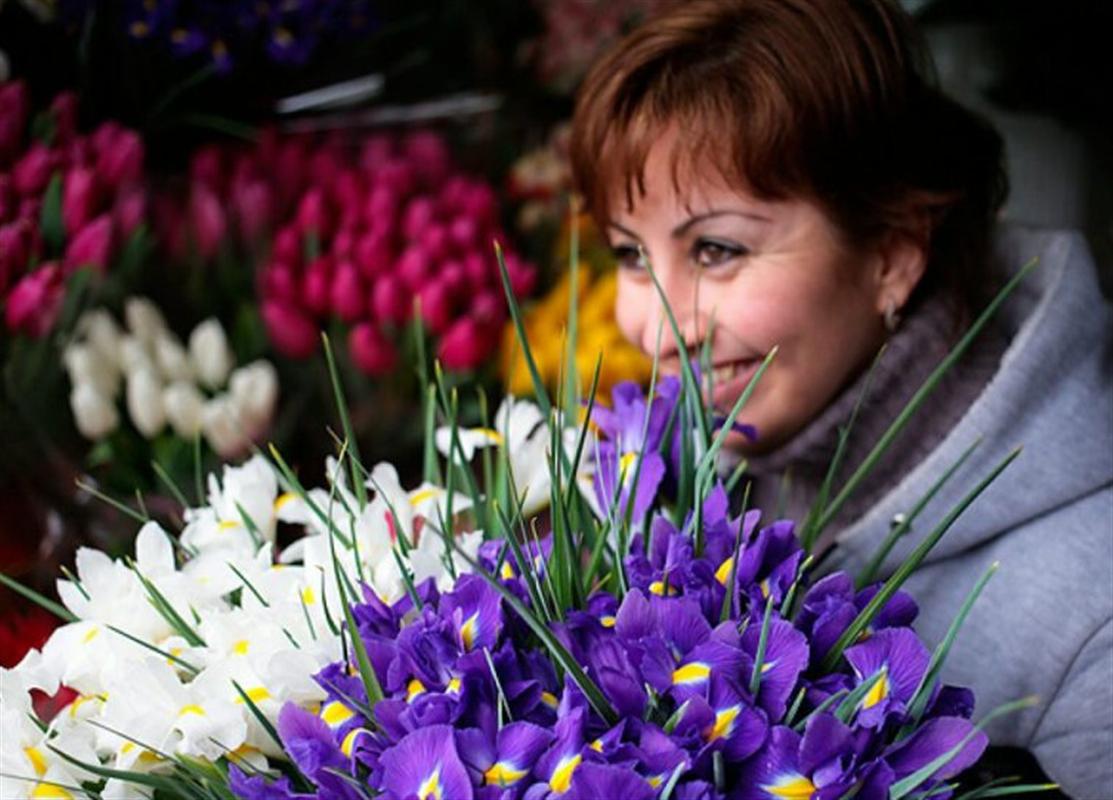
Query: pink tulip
452, 274
454, 193
279, 282
14, 102
289, 170
30, 209
466, 344
480, 204
34, 303
32, 172
373, 253
208, 222
477, 269
413, 267
375, 151
120, 162
347, 191
207, 167
418, 215
314, 215
316, 288
293, 333
324, 167
63, 109
370, 350
380, 208
344, 243
398, 176
427, 151
80, 196
463, 232
287, 245
254, 207
434, 241
523, 276
347, 293
16, 242
489, 307
130, 210
7, 198
436, 307
390, 301
92, 246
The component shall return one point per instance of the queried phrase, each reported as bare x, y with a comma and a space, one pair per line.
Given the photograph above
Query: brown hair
831, 100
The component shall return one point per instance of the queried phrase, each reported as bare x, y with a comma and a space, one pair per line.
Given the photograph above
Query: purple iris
899, 659
425, 764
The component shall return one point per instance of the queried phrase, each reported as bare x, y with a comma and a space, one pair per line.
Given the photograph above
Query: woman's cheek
631, 311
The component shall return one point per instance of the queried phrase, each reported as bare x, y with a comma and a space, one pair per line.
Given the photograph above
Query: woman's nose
682, 293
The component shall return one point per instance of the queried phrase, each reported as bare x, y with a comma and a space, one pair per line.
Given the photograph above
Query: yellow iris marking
878, 692
655, 780
308, 596
507, 571
256, 694
764, 585
228, 524
336, 714
550, 699
696, 672
425, 494
469, 630
795, 787
502, 773
453, 686
413, 689
35, 756
282, 500
139, 29
191, 709
607, 620
562, 775
240, 647
657, 588
92, 634
350, 741
50, 791
431, 786
625, 463
597, 745
493, 435
724, 723
722, 574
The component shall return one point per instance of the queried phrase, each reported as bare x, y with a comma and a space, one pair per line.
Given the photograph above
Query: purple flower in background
901, 660
426, 765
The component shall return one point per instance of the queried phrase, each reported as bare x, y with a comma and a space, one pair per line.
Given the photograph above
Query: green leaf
345, 422
44, 602
50, 220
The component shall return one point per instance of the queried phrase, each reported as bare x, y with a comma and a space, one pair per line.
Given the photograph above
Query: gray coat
1044, 625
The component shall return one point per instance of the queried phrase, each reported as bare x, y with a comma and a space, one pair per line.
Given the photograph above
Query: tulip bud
380, 210
35, 301
463, 232
373, 253
419, 214
398, 176
32, 172
16, 241
207, 167
477, 269
211, 356
92, 247
254, 207
375, 151
313, 215
79, 198
120, 160
171, 358
85, 365
14, 102
436, 307
287, 246
523, 276
254, 391
316, 288
208, 223
144, 401
64, 111
489, 308
413, 267
429, 155
144, 320
479, 204
347, 293
452, 274
465, 346
344, 243
293, 333
184, 405
222, 427
101, 332
7, 198
134, 355
390, 301
280, 283
94, 413
371, 352
130, 211
434, 241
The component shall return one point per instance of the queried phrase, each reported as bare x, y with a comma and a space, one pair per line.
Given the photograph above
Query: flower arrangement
165, 383
67, 201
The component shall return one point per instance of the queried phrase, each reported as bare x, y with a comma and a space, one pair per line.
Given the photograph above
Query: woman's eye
710, 253
627, 256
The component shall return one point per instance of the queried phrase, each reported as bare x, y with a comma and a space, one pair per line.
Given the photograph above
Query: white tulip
85, 364
144, 319
172, 359
99, 329
220, 422
254, 390
94, 413
134, 355
212, 357
144, 398
184, 403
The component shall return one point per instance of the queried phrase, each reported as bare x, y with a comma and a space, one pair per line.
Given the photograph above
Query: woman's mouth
729, 380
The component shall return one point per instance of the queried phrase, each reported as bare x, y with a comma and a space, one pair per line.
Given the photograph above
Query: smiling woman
794, 179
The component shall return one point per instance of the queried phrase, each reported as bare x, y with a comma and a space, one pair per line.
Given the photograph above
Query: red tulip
477, 269
120, 161
344, 243
208, 222
376, 150
80, 196
92, 246
294, 334
480, 204
288, 170
390, 301
14, 102
370, 350
34, 303
466, 345
347, 293
436, 307
32, 172
523, 276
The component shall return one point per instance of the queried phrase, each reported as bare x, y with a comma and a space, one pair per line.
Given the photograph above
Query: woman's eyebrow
683, 227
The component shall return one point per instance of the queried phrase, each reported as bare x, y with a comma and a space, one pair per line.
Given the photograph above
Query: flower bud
222, 428
120, 159
171, 358
32, 172
280, 283
463, 232
435, 242
413, 267
390, 301
254, 391
287, 246
33, 304
208, 222
16, 241
144, 320
92, 247
316, 288
373, 253
371, 352
80, 193
184, 404
144, 401
101, 332
313, 215
85, 365
380, 209
489, 307
419, 214
254, 206
206, 167
436, 307
94, 413
347, 293
465, 346
211, 356
293, 333
64, 111
14, 102
134, 355
130, 211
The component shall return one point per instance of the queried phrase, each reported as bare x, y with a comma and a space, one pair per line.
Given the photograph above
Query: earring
891, 316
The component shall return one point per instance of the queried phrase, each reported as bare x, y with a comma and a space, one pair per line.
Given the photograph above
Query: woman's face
766, 274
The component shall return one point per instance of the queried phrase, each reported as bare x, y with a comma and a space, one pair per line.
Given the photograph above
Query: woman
795, 181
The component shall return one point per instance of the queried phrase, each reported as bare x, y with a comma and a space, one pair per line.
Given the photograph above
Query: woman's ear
902, 259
